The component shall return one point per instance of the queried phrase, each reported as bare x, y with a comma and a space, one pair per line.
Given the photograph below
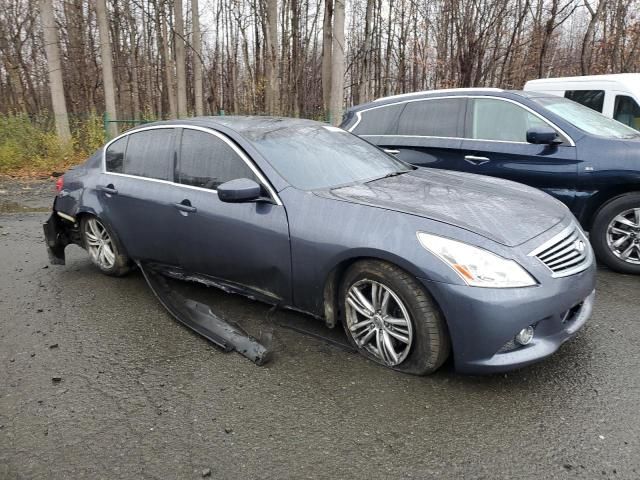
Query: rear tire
615, 234
103, 247
400, 326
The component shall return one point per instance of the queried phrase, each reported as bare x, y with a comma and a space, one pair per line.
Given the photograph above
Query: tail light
60, 184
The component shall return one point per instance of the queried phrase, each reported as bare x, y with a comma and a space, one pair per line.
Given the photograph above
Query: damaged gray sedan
416, 264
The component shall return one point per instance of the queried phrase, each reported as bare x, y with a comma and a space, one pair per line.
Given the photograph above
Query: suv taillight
59, 184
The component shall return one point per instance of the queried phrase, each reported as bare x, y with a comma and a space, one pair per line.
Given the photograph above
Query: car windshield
586, 119
314, 156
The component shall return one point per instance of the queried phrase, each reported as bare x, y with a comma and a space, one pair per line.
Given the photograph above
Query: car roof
497, 92
244, 125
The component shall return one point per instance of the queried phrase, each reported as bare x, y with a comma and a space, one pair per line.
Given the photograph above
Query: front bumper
483, 321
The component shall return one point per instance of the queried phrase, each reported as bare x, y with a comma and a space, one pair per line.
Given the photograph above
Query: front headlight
476, 266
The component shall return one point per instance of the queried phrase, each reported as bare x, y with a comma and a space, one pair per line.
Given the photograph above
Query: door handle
109, 189
474, 160
185, 206
392, 152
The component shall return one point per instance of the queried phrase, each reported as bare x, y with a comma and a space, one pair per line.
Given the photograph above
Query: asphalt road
98, 381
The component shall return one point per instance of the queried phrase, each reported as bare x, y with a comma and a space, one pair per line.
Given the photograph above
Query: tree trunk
327, 39
181, 75
363, 87
197, 58
107, 67
54, 67
168, 66
337, 63
271, 52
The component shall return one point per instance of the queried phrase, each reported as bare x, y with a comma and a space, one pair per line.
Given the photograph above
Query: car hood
506, 212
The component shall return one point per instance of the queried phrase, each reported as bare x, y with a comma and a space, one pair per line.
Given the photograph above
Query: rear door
137, 193
240, 243
496, 144
425, 132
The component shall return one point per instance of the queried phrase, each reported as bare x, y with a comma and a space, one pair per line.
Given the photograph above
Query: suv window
379, 121
627, 111
150, 154
492, 119
207, 161
114, 157
593, 99
433, 118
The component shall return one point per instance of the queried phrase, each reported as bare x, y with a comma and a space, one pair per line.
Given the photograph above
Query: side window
492, 119
593, 99
114, 157
433, 118
207, 161
379, 121
627, 111
150, 154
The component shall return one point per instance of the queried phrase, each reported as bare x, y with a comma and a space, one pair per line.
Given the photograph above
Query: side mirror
239, 190
543, 136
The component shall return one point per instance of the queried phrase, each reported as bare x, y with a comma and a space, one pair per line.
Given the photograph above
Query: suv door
496, 144
239, 243
137, 194
425, 132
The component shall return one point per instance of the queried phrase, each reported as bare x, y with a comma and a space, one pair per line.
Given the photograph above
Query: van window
498, 120
442, 117
594, 99
207, 161
150, 154
379, 121
627, 111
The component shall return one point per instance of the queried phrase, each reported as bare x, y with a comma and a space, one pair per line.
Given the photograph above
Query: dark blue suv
586, 160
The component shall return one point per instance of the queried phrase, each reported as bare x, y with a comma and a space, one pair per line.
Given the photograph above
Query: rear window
433, 118
594, 99
627, 111
378, 121
114, 157
150, 154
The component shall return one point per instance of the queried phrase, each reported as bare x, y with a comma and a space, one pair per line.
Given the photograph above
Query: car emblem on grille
579, 245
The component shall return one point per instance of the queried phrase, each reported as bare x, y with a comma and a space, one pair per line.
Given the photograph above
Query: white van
615, 96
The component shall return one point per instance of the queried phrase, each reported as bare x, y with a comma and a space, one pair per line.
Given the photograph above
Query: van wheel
391, 319
615, 234
103, 247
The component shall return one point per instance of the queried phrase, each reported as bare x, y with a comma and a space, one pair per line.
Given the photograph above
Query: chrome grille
565, 254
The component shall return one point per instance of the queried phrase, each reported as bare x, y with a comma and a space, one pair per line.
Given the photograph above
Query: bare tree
56, 85
327, 45
181, 75
337, 64
271, 55
197, 58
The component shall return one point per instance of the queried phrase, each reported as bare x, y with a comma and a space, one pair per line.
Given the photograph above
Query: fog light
525, 336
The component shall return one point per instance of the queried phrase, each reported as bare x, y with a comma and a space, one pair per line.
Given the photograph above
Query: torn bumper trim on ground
199, 317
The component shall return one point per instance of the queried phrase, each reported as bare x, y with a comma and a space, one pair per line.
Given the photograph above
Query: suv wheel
390, 318
615, 234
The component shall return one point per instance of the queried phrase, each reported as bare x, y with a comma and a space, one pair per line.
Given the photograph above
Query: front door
240, 243
496, 145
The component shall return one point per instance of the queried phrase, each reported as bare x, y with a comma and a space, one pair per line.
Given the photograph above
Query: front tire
615, 234
103, 247
391, 319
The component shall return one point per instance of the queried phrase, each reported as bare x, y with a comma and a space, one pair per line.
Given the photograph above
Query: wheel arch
598, 201
335, 275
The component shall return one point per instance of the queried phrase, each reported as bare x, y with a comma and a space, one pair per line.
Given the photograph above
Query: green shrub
29, 146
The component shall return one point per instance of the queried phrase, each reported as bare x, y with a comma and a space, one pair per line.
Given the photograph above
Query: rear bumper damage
57, 237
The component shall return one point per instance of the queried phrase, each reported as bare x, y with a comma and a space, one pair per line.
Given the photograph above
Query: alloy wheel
99, 244
378, 321
623, 236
